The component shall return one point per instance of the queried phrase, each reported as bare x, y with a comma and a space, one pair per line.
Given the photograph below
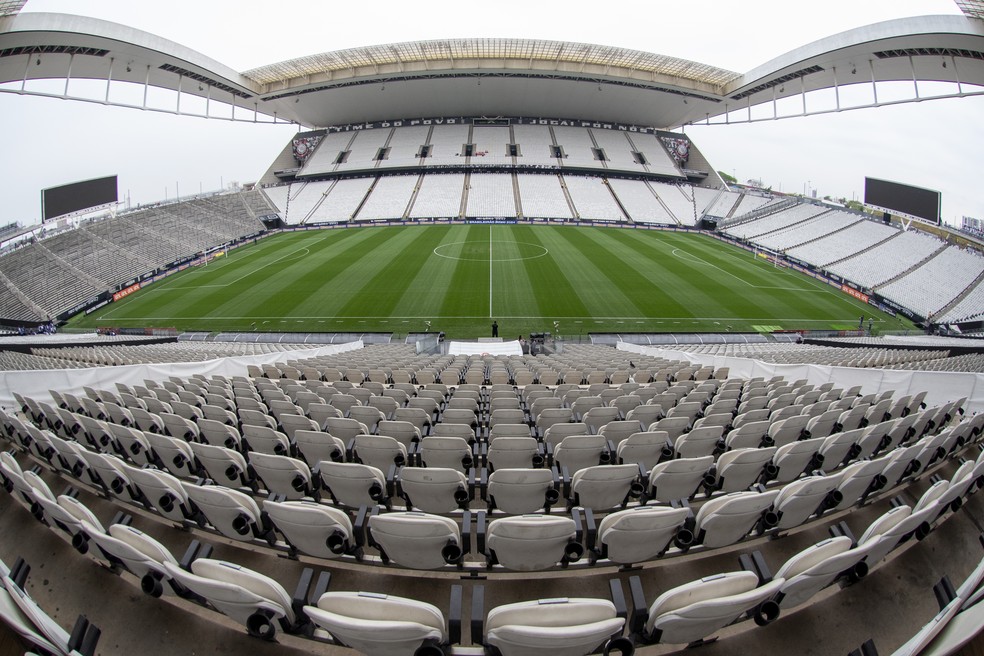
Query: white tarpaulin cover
940, 386
485, 348
35, 384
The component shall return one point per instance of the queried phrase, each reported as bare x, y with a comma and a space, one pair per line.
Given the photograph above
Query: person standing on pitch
495, 328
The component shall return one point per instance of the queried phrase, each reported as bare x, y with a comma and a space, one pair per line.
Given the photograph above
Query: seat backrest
353, 484
432, 489
416, 540
374, 623
641, 533
678, 479
568, 625
726, 520
529, 542
519, 491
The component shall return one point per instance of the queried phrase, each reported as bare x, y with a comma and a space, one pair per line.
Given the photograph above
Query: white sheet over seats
378, 624
552, 627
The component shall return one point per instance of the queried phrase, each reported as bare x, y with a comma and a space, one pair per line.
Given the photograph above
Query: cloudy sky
49, 142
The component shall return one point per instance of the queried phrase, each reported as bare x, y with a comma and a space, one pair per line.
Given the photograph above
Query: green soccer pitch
462, 277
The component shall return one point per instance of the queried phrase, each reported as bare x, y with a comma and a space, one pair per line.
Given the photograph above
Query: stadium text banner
507, 120
126, 291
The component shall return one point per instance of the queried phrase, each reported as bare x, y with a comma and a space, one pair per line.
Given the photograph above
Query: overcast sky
49, 142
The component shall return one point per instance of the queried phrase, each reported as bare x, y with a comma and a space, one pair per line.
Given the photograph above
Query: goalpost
770, 255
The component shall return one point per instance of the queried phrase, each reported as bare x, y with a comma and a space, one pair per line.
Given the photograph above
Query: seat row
382, 624
720, 521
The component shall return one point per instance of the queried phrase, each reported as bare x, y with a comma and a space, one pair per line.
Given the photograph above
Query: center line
490, 272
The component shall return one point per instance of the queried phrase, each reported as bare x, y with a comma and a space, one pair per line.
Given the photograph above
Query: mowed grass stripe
513, 290
599, 277
426, 289
404, 254
552, 288
467, 293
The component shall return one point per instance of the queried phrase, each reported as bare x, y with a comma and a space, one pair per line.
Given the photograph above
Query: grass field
461, 277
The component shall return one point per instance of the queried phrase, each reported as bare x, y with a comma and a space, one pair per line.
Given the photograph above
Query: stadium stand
639, 201
934, 284
755, 229
364, 151
389, 198
592, 199
491, 145
447, 145
806, 231
578, 147
404, 147
438, 195
325, 158
535, 145
490, 194
342, 201
542, 195
842, 244
887, 259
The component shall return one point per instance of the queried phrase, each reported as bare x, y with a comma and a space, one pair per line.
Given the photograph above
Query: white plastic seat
368, 416
725, 520
740, 469
798, 500
416, 540
617, 432
695, 610
283, 475
218, 434
224, 466
605, 486
816, 567
162, 490
312, 528
644, 448
248, 597
857, 480
678, 479
446, 452
178, 426
378, 624
795, 458
314, 447
133, 443
556, 433
433, 489
232, 513
838, 447
353, 484
703, 441
344, 428
579, 451
639, 534
530, 543
789, 430
751, 434
141, 554
266, 440
674, 426
514, 453
522, 491
379, 451
552, 627
175, 454
68, 513
508, 430
108, 471
598, 417
403, 431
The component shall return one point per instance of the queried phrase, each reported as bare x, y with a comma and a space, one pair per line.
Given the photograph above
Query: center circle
478, 251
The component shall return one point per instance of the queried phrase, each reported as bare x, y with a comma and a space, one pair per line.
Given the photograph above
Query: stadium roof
973, 8
528, 53
8, 7
488, 77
